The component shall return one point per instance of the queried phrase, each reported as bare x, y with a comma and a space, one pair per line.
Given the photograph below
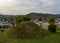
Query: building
41, 23
7, 24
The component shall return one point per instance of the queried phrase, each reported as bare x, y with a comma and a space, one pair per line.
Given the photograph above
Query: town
44, 23
7, 24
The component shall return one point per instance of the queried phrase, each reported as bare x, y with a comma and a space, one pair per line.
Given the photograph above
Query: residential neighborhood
44, 24
7, 23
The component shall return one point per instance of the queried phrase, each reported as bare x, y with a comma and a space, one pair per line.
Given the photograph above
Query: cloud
27, 6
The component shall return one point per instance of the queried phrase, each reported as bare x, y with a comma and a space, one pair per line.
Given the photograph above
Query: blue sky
28, 6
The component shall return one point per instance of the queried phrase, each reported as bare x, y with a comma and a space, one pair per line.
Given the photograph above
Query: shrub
26, 30
52, 26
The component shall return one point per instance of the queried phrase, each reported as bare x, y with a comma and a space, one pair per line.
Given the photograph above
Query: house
57, 22
41, 23
45, 25
6, 24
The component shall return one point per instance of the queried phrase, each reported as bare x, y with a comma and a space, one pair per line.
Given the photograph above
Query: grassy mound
26, 30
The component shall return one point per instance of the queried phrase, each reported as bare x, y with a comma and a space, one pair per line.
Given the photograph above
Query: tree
51, 26
40, 19
22, 18
51, 20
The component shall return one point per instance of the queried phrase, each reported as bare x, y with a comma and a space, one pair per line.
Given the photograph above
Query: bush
26, 30
52, 28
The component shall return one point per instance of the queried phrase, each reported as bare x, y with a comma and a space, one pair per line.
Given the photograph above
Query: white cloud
27, 6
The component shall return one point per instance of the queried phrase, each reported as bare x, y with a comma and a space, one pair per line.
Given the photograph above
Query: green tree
22, 18
51, 20
40, 19
51, 26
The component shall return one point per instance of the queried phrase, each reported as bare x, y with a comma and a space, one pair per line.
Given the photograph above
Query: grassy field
50, 38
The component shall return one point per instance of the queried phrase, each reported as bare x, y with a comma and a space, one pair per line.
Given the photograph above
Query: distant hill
7, 16
32, 15
40, 15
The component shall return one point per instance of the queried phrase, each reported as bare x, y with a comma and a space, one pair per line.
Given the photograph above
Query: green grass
50, 38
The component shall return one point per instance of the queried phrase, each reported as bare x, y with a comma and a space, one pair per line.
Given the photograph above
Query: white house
6, 24
45, 25
39, 23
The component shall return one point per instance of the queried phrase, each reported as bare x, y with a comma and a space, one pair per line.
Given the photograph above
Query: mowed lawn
50, 38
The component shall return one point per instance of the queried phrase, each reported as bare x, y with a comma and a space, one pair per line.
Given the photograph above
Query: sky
22, 7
